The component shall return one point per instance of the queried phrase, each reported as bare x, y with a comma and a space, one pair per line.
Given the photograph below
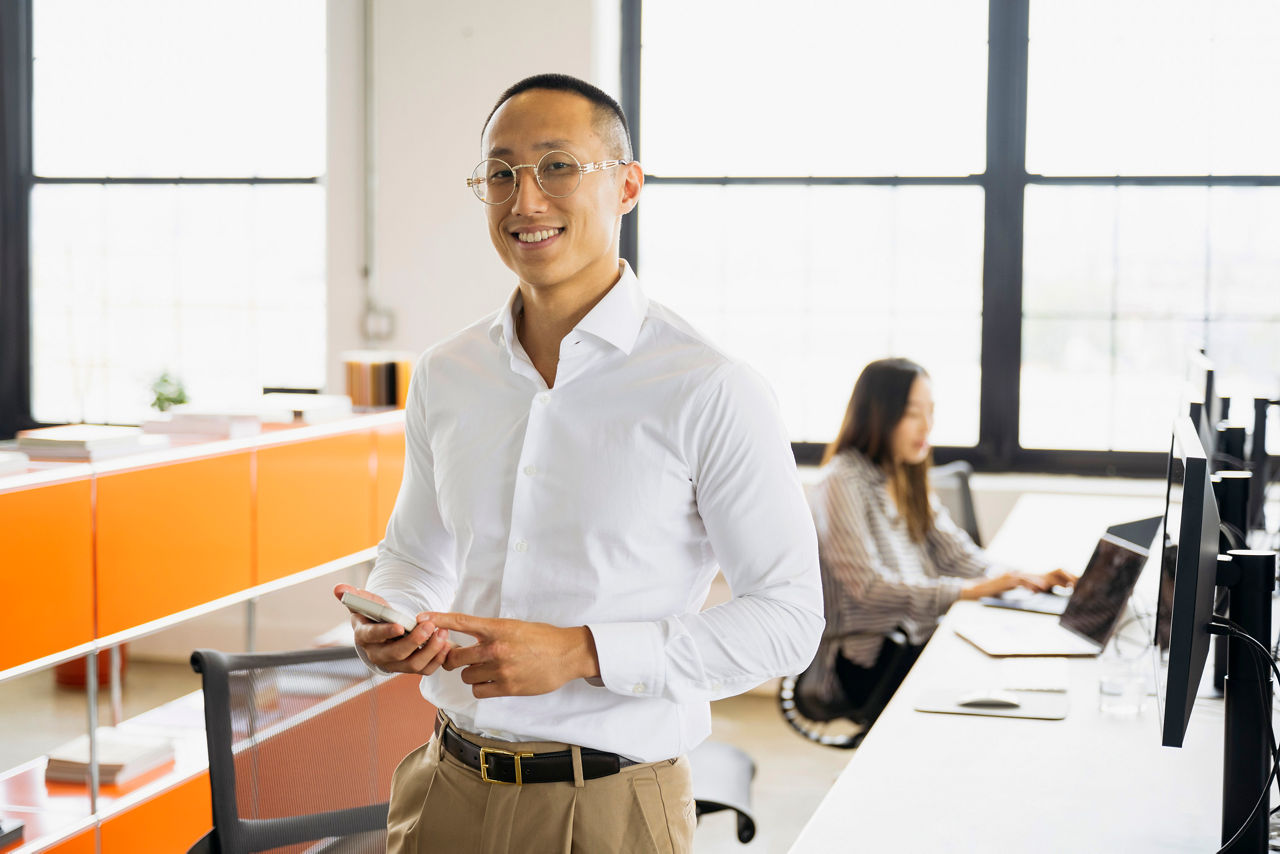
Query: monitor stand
1246, 765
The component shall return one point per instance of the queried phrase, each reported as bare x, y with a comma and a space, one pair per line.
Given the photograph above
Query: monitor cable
1235, 537
1222, 626
1231, 461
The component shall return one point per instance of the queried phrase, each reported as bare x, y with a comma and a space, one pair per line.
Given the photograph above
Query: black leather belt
505, 766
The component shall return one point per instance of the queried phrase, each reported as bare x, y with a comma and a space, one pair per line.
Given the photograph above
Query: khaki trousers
439, 804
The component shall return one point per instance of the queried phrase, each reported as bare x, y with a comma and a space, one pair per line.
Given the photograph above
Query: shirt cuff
631, 657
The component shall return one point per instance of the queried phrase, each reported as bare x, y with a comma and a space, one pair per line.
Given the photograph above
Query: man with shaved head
578, 465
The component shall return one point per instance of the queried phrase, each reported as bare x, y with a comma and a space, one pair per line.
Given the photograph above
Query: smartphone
378, 612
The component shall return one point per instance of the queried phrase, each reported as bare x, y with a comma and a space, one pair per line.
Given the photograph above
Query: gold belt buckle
484, 764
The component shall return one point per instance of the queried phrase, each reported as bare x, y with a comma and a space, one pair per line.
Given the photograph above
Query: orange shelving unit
171, 537
314, 502
129, 545
46, 552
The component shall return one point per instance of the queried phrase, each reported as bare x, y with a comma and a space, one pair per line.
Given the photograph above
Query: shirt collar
616, 319
619, 314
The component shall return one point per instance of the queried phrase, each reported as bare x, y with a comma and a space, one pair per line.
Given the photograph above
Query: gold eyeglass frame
583, 169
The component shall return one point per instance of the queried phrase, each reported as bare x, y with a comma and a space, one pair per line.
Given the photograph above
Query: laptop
1090, 614
1049, 602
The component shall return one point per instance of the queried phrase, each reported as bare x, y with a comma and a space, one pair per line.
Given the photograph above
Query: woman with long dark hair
893, 560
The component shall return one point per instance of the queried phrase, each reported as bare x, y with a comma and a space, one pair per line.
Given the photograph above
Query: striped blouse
875, 579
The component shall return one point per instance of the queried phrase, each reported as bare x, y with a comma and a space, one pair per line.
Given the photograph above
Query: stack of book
306, 408
85, 442
13, 462
121, 757
198, 423
378, 379
10, 832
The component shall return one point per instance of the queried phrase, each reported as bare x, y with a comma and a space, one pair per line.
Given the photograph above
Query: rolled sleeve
758, 524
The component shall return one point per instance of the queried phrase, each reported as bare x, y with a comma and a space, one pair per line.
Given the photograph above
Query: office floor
791, 778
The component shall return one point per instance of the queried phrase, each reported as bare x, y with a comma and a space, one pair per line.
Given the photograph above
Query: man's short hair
610, 122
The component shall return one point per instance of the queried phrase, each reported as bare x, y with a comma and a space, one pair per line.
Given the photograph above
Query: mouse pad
1038, 705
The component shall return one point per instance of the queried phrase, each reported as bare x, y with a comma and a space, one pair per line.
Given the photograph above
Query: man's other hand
515, 658
387, 646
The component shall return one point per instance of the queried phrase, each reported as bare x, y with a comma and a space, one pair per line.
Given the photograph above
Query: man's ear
632, 181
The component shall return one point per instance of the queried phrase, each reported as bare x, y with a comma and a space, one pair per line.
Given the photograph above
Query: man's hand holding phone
379, 631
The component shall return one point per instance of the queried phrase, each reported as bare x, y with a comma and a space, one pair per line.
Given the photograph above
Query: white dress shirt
606, 501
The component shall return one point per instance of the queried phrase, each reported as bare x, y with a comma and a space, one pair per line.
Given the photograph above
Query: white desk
934, 782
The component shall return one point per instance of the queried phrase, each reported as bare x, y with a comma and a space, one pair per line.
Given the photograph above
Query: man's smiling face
548, 241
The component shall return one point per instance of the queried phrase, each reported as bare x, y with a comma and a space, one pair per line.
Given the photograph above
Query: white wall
438, 68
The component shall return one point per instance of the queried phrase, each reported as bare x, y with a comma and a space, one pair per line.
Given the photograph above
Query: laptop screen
1104, 588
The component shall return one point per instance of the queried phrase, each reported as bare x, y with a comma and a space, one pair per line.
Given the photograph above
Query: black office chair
722, 776
302, 746
824, 715
951, 483
820, 712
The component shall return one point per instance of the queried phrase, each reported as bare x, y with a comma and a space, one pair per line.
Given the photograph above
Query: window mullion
15, 215
1002, 253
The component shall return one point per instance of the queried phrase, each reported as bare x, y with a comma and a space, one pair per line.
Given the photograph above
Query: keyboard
1034, 674
1026, 600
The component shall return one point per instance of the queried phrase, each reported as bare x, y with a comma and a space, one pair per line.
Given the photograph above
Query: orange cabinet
315, 503
389, 447
171, 537
84, 842
171, 821
46, 552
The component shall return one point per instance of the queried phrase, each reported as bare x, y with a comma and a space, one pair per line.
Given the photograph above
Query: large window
813, 201
1153, 216
1049, 205
176, 215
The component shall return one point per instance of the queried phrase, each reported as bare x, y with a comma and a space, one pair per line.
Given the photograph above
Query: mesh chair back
951, 483
302, 746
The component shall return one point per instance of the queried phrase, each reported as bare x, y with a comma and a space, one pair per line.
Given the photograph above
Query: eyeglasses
558, 174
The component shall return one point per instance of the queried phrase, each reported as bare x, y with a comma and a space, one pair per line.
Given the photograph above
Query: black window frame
1004, 182
17, 181
15, 212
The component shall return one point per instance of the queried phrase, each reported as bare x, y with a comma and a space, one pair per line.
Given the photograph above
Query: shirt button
521, 546
637, 688
531, 470
544, 398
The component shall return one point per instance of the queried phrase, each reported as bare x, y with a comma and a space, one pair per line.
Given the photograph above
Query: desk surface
936, 782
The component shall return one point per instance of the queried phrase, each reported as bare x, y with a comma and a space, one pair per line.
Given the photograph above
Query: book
205, 423
74, 453
87, 437
307, 408
378, 379
13, 462
10, 832
121, 757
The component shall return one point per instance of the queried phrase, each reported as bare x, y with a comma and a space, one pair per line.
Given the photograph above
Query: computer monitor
1206, 411
1191, 541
